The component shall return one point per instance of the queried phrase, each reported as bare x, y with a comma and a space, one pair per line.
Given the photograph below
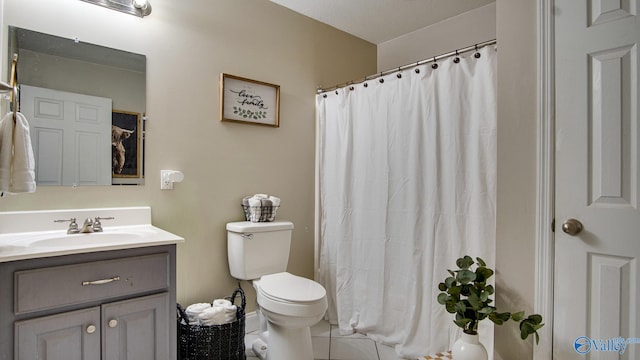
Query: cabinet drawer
53, 287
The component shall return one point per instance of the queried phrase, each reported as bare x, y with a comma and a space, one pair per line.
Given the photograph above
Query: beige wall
460, 31
516, 203
188, 44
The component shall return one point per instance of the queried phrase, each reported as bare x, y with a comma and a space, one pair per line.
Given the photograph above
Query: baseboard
251, 322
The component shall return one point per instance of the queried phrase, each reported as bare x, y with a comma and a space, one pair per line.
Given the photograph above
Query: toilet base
259, 348
287, 343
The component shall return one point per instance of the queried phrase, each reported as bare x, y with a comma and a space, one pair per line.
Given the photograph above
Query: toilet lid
292, 288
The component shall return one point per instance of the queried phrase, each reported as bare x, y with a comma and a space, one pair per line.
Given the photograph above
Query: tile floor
329, 345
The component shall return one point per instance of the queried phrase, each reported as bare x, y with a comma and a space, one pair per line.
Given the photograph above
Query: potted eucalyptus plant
466, 294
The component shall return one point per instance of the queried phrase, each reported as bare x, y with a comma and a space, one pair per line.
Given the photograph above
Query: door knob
572, 227
113, 323
91, 329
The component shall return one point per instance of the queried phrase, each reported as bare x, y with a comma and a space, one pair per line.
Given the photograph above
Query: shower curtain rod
475, 47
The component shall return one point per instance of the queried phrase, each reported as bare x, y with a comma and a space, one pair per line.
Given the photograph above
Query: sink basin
37, 234
110, 236
89, 239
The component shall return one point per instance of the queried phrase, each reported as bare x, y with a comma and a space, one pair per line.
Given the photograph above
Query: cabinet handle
91, 329
113, 323
100, 282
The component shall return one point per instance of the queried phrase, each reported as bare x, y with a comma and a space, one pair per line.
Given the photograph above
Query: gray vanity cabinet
71, 335
111, 305
136, 329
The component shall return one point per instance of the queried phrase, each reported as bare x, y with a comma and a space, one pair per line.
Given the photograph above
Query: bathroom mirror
85, 105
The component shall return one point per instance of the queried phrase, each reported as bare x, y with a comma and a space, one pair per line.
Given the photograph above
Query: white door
597, 179
70, 135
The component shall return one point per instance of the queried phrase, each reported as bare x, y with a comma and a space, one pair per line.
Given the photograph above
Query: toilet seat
292, 295
291, 288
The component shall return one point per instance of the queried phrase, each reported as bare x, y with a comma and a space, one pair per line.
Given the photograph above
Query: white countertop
33, 234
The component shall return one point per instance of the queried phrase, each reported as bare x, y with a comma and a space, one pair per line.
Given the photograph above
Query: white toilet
259, 251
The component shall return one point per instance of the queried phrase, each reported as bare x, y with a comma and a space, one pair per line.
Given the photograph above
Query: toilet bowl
290, 305
287, 305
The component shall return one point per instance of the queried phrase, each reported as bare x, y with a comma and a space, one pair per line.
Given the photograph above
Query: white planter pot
468, 347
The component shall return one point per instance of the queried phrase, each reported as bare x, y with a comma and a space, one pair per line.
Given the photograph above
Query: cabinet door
137, 329
73, 335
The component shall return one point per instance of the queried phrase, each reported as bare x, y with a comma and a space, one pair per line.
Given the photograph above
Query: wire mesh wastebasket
260, 213
216, 342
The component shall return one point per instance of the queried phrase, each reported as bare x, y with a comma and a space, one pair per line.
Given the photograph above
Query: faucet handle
97, 225
73, 225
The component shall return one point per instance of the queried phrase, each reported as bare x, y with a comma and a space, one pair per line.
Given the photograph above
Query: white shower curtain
407, 184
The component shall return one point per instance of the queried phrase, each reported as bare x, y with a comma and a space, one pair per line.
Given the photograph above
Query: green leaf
450, 281
518, 316
443, 298
450, 307
537, 319
464, 262
484, 273
499, 318
481, 262
466, 276
442, 287
474, 300
455, 290
487, 310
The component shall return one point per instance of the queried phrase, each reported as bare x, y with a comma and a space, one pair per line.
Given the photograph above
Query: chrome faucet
73, 225
87, 227
97, 225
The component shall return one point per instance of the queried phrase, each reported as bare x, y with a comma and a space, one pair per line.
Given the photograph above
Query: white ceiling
378, 21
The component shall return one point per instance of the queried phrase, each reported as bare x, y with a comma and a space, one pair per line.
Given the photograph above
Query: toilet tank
255, 249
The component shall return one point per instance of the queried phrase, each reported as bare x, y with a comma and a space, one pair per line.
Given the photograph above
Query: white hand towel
221, 302
217, 315
17, 165
275, 200
255, 210
23, 176
6, 151
193, 312
261, 196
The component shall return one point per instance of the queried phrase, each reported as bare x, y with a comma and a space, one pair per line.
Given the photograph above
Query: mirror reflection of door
70, 134
74, 66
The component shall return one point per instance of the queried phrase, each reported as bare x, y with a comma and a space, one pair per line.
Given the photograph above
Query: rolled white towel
255, 201
193, 311
261, 196
221, 302
275, 200
217, 315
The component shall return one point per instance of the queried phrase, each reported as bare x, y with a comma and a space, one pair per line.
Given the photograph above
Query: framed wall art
125, 143
249, 101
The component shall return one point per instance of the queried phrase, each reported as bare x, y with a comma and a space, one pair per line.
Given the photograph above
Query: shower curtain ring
399, 75
477, 54
457, 58
435, 63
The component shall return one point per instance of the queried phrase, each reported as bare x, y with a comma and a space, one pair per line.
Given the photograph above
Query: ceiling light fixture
140, 8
